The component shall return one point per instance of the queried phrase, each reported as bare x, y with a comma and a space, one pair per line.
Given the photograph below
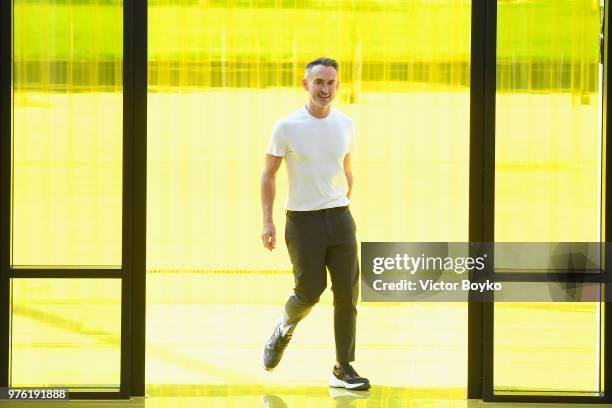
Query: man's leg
305, 236
344, 271
306, 239
343, 264
342, 261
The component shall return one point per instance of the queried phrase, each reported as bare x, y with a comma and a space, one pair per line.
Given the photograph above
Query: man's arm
348, 173
268, 192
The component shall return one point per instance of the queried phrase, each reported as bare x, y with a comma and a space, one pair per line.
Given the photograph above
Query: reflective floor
300, 397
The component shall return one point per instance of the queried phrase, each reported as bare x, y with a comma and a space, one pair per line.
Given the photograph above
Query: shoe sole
338, 383
340, 394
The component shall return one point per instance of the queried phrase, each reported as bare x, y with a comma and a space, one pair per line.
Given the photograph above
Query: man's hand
268, 236
268, 191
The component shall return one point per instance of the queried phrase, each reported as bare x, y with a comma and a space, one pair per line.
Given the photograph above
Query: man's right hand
268, 236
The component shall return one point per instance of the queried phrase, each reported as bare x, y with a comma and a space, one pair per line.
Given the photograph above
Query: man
316, 142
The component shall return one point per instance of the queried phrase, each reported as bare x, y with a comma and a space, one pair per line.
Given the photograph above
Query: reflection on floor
313, 396
377, 397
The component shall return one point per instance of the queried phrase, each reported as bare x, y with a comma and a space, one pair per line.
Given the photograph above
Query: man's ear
305, 83
337, 84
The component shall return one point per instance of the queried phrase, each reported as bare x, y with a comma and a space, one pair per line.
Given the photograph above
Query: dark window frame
481, 317
132, 271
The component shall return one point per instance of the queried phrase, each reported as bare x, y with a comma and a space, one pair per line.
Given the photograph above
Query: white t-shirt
314, 150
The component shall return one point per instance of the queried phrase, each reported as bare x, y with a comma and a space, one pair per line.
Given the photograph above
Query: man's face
322, 85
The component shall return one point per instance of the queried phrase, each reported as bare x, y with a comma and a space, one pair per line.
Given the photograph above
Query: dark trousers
316, 240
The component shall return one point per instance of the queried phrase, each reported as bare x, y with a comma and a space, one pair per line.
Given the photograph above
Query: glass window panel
66, 333
67, 132
547, 347
547, 182
547, 137
220, 74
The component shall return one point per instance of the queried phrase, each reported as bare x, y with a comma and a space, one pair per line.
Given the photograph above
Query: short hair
328, 62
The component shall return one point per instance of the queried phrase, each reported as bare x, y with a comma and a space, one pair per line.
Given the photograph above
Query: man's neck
317, 111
